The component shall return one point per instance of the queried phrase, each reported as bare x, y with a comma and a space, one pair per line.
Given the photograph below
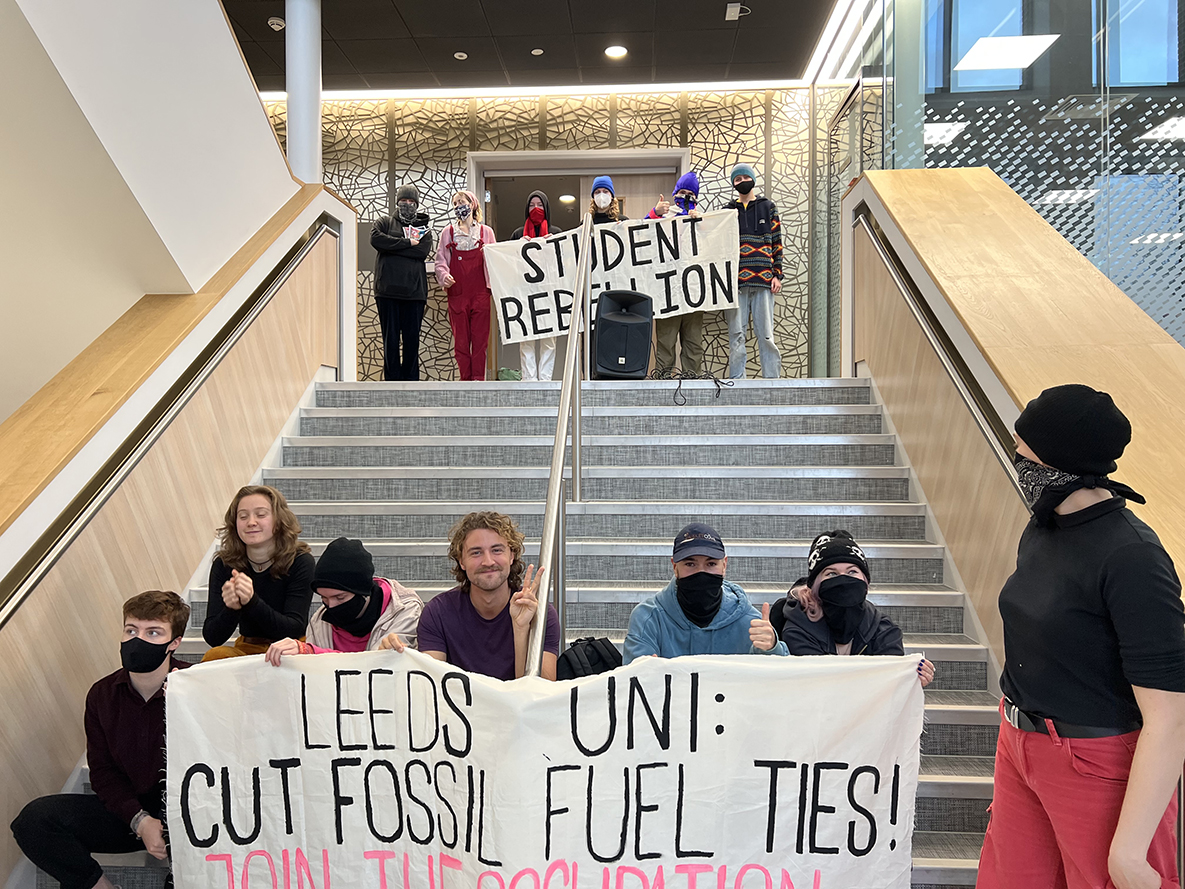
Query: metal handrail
1000, 447
551, 544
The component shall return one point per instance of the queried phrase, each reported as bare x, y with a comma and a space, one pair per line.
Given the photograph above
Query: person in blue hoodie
688, 329
699, 612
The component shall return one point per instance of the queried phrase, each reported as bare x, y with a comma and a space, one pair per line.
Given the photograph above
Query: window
1143, 43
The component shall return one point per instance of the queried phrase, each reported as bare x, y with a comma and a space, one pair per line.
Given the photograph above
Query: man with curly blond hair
482, 624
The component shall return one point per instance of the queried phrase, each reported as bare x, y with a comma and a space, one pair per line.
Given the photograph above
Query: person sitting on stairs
699, 612
482, 625
357, 609
260, 578
125, 750
833, 614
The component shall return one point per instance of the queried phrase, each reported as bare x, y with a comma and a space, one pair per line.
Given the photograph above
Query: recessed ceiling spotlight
616, 52
276, 23
567, 199
537, 51
460, 56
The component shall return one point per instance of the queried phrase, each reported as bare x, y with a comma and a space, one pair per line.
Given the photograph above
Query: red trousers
1056, 805
469, 312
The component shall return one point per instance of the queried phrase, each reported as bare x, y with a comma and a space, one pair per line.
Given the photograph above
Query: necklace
258, 567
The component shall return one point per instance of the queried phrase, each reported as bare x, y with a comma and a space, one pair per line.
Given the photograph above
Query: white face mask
603, 200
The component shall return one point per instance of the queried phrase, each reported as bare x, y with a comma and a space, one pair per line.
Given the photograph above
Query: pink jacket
444, 251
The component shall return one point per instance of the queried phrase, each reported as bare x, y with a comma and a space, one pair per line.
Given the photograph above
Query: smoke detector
276, 23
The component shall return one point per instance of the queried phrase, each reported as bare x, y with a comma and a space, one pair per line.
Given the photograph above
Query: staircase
769, 464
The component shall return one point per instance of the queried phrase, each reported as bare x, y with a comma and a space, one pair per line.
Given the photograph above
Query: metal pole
559, 574
555, 482
302, 78
577, 457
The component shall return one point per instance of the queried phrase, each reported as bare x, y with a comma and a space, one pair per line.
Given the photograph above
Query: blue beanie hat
742, 170
688, 181
604, 182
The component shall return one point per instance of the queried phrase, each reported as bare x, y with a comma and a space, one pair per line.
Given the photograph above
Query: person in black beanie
833, 614
402, 243
1093, 736
358, 609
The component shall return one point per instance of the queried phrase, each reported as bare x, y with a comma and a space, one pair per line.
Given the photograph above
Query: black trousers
401, 320
59, 833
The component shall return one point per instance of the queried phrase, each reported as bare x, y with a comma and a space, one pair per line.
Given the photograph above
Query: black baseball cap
697, 539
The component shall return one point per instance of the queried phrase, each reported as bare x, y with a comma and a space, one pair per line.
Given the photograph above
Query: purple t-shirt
451, 624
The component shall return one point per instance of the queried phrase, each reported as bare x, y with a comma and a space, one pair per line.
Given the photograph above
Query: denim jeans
758, 302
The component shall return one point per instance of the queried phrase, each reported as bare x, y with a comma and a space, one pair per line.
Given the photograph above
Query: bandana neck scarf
1045, 487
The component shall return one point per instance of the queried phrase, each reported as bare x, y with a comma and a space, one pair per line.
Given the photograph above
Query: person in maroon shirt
125, 749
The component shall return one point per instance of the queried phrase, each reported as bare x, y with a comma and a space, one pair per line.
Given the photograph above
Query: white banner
396, 771
684, 265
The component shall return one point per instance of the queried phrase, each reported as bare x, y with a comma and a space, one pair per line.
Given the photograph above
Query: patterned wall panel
828, 100
577, 123
429, 138
1118, 201
648, 120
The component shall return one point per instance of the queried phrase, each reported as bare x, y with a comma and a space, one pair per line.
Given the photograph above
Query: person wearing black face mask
402, 242
833, 614
357, 610
687, 329
699, 612
125, 741
759, 279
1093, 736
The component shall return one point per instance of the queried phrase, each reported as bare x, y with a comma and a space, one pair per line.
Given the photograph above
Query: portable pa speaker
621, 339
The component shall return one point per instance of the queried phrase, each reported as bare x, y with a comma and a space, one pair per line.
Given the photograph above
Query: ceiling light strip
534, 91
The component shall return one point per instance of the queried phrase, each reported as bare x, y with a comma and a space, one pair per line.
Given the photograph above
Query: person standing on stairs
689, 328
260, 579
461, 271
1093, 736
357, 609
402, 243
760, 278
483, 624
604, 205
699, 612
537, 365
832, 614
125, 750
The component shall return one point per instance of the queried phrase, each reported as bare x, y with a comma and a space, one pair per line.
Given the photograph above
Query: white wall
165, 89
76, 249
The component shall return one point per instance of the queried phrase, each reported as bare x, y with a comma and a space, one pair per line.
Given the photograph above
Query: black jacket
876, 634
600, 218
551, 230
399, 270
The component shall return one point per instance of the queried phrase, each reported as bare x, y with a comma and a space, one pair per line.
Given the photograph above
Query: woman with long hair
461, 271
261, 577
604, 205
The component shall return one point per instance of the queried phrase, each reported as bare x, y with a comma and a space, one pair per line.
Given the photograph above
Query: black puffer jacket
399, 270
877, 634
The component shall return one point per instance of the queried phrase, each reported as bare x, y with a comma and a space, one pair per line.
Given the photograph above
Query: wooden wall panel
1042, 315
976, 507
152, 532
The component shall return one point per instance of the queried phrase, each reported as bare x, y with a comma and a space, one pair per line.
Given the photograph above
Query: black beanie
407, 193
1076, 429
832, 547
345, 565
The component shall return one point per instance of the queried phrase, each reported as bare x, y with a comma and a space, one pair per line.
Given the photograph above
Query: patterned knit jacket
761, 241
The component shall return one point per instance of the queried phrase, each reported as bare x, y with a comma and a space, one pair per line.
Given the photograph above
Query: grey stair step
636, 420
597, 450
134, 870
643, 392
831, 484
955, 766
942, 858
373, 520
951, 814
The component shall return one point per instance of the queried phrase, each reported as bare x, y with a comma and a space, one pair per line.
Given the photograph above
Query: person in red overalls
461, 271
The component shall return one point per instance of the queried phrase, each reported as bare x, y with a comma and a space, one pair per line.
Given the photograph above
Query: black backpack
587, 656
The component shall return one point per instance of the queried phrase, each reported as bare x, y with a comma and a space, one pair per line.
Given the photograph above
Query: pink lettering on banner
230, 868
769, 881
560, 865
271, 866
382, 856
449, 862
692, 872
525, 873
624, 869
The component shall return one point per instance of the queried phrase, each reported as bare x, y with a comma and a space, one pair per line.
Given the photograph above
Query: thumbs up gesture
761, 631
662, 207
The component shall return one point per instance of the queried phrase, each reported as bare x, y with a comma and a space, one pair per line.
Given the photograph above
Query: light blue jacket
659, 626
